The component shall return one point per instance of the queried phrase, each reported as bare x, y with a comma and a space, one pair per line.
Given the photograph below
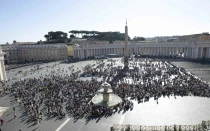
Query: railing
204, 126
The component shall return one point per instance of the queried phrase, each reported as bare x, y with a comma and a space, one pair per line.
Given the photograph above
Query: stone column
150, 51
188, 52
105, 51
146, 50
73, 53
86, 53
195, 52
158, 51
201, 53
175, 51
184, 52
83, 54
78, 54
3, 76
136, 50
168, 51
208, 52
162, 51
118, 50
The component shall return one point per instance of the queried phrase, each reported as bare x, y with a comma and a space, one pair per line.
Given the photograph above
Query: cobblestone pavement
168, 111
198, 69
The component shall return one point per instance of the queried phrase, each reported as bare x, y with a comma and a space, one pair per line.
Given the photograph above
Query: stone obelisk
126, 48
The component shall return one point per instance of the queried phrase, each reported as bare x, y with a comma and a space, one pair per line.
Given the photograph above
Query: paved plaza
202, 70
187, 110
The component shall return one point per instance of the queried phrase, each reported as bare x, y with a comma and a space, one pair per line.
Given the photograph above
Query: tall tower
126, 47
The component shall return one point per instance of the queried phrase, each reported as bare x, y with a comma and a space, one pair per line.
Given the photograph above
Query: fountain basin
106, 100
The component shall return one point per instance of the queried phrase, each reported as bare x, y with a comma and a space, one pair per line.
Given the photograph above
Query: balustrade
204, 126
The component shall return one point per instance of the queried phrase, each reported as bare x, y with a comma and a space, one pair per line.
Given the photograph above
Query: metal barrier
204, 126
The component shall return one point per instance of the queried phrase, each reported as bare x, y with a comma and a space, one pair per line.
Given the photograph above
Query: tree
39, 42
72, 32
47, 37
109, 36
56, 37
137, 38
75, 32
72, 36
14, 41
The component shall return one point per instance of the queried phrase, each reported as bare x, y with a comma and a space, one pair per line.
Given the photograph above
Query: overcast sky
30, 20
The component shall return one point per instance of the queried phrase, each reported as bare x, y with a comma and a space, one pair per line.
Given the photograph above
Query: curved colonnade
193, 50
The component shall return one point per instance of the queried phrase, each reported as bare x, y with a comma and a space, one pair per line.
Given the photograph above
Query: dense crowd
58, 95
156, 79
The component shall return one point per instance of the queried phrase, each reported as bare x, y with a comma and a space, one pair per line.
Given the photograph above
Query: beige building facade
196, 37
21, 53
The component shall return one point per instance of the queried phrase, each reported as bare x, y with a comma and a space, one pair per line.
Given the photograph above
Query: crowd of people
151, 78
58, 95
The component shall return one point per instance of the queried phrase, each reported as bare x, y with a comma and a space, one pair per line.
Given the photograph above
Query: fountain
105, 96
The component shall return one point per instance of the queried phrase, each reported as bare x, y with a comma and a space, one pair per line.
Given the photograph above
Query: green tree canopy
137, 38
56, 37
109, 36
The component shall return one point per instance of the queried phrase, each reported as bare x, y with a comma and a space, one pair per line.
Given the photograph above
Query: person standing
2, 121
14, 115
